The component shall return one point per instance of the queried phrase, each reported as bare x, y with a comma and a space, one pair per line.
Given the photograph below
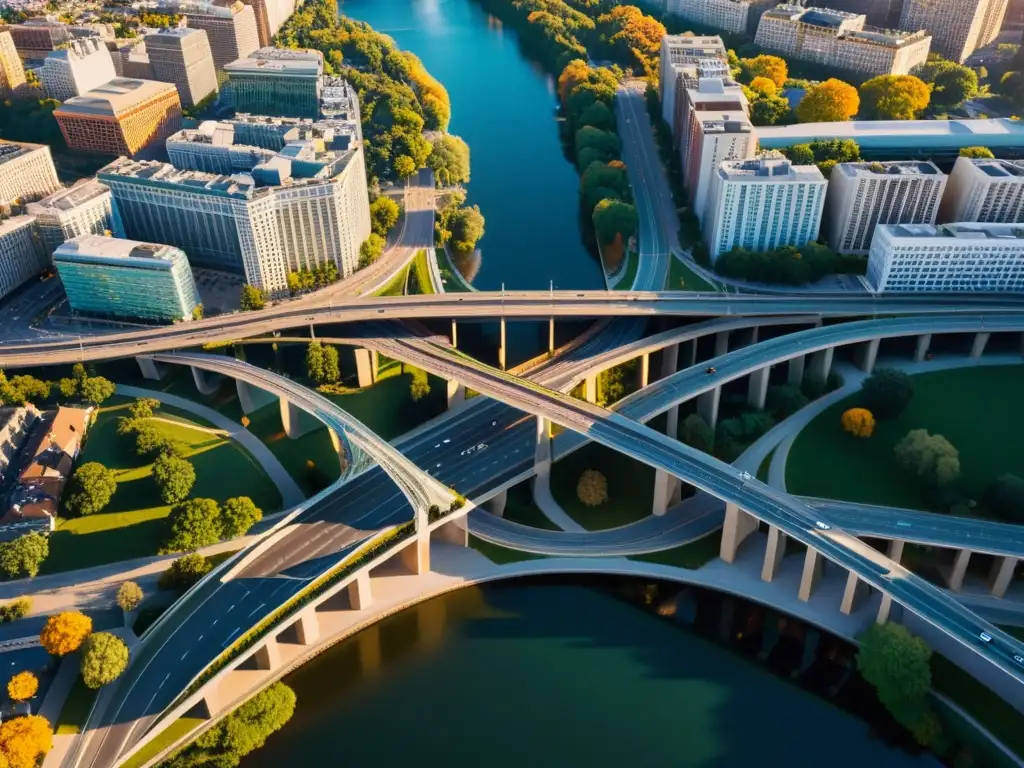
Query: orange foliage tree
25, 740
829, 102
22, 686
64, 633
859, 422
764, 86
772, 67
636, 35
894, 97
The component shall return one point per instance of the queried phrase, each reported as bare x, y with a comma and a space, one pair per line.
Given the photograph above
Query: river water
554, 675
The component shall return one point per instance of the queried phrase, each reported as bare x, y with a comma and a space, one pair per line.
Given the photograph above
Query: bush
932, 458
18, 609
64, 633
592, 488
858, 422
783, 400
185, 572
887, 392
24, 555
22, 686
92, 486
104, 659
129, 596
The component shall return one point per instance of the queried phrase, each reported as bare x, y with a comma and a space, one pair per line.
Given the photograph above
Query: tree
830, 101
92, 487
769, 110
96, 389
23, 556
143, 407
383, 214
371, 249
449, 159
22, 686
614, 221
952, 83
185, 571
404, 166
783, 400
174, 477
315, 361
898, 665
193, 524
65, 632
419, 386
597, 115
252, 298
1004, 496
859, 422
149, 441
893, 97
603, 180
24, 741
104, 659
981, 153
696, 433
467, 227
764, 86
14, 610
592, 488
129, 596
770, 67
887, 392
931, 457
239, 515
68, 388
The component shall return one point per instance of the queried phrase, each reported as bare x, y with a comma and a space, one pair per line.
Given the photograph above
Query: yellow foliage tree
894, 97
772, 67
22, 686
64, 633
859, 422
828, 102
575, 72
592, 488
764, 86
25, 740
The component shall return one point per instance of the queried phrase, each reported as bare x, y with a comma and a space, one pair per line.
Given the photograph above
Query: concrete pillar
252, 398
366, 367
924, 342
211, 703
453, 532
295, 421
773, 554
796, 370
752, 334
1001, 575
978, 345
672, 422
668, 489
150, 369
692, 359
416, 556
811, 574
721, 343
496, 504
707, 406
821, 363
738, 525
643, 371
358, 592
268, 655
551, 335
867, 353
456, 393
662, 491
850, 593
884, 608
455, 334
757, 387
590, 389
896, 550
207, 383
669, 361
956, 575
502, 354
542, 447
308, 627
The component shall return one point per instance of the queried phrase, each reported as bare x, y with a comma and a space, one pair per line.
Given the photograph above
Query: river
555, 675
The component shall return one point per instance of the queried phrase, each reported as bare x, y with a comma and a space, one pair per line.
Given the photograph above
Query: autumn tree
65, 632
174, 477
614, 223
129, 596
576, 71
893, 97
764, 86
449, 159
827, 102
592, 488
371, 249
932, 458
104, 659
22, 686
252, 298
859, 422
978, 153
771, 67
24, 555
24, 741
239, 514
633, 37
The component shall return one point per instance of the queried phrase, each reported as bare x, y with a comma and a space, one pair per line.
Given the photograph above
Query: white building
717, 136
21, 256
948, 258
26, 172
86, 208
841, 39
80, 66
959, 27
984, 190
735, 16
684, 60
863, 195
211, 147
763, 204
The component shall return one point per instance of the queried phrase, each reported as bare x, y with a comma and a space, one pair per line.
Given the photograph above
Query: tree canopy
65, 632
22, 686
830, 101
893, 97
322, 364
252, 298
185, 571
887, 392
24, 741
104, 659
383, 214
765, 65
449, 159
1004, 496
371, 249
981, 153
859, 422
696, 433
932, 458
129, 596
174, 477
24, 555
467, 227
952, 83
614, 221
239, 515
193, 524
92, 487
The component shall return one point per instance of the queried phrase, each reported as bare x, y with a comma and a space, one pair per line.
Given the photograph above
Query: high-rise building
231, 27
840, 39
270, 16
125, 278
211, 148
763, 204
958, 27
276, 81
122, 117
735, 16
84, 209
984, 190
961, 257
863, 195
12, 71
182, 56
130, 59
26, 172
711, 94
21, 255
684, 60
35, 38
77, 67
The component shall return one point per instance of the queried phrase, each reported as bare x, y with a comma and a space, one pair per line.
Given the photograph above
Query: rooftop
719, 121
12, 149
963, 231
69, 198
918, 133
819, 17
107, 248
13, 224
288, 61
115, 97
80, 48
173, 35
998, 168
889, 168
770, 169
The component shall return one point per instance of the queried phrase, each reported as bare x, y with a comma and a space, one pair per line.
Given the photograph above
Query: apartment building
958, 27
21, 256
712, 95
26, 172
211, 148
984, 190
79, 66
182, 56
84, 209
12, 71
276, 81
275, 132
36, 38
270, 16
684, 61
231, 27
737, 17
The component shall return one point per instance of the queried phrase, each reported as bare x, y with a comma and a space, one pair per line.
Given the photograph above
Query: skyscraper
84, 209
182, 56
984, 190
270, 15
26, 172
231, 28
79, 66
12, 71
21, 256
277, 81
684, 60
958, 27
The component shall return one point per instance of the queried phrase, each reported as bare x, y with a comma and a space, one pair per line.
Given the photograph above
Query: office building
15, 425
840, 39
716, 136
863, 195
182, 56
12, 71
84, 209
738, 17
102, 30
21, 256
130, 59
77, 67
36, 38
712, 94
958, 27
211, 148
961, 257
231, 28
984, 190
111, 277
26, 172
123, 117
276, 81
684, 60
763, 204
270, 16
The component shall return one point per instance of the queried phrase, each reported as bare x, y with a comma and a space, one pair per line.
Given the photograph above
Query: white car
745, 476
1019, 660
985, 637
822, 526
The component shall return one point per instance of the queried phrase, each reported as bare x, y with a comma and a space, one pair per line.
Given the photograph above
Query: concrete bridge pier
212, 702
662, 491
854, 587
821, 363
669, 361
268, 655
151, 370
307, 626
924, 342
496, 504
773, 554
252, 398
795, 375
296, 423
502, 348
1001, 575
207, 383
358, 592
738, 526
453, 532
896, 550
978, 345
884, 609
959, 570
721, 343
811, 574
707, 405
542, 450
366, 367
751, 334
643, 371
867, 354
416, 556
692, 359
757, 388
551, 335
590, 389
455, 334
456, 393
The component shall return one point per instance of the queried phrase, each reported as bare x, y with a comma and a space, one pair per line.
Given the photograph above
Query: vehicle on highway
745, 475
1019, 659
985, 637
710, 369
822, 526
474, 449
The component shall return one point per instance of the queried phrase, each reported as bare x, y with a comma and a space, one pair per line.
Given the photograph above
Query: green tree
91, 488
405, 166
252, 298
14, 610
419, 387
783, 400
97, 389
104, 659
893, 97
24, 555
830, 101
981, 153
129, 596
467, 227
194, 524
143, 407
149, 441
932, 458
696, 433
614, 221
184, 572
598, 115
600, 181
449, 159
332, 368
952, 83
887, 392
371, 249
1004, 496
239, 515
769, 110
174, 477
384, 214
68, 388
800, 154
315, 361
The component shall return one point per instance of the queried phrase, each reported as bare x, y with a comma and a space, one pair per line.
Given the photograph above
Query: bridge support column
692, 359
924, 342
669, 361
416, 556
821, 363
590, 389
151, 370
707, 406
643, 371
738, 525
796, 370
896, 550
455, 334
752, 335
268, 655
867, 354
542, 448
502, 349
811, 574
773, 554
551, 335
211, 703
1001, 575
456, 393
307, 627
959, 570
757, 388
366, 367
979, 343
252, 398
663, 491
884, 609
358, 592
496, 504
295, 422
850, 594
721, 343
207, 383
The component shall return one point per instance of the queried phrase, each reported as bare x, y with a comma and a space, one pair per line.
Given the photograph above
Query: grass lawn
970, 407
682, 278
396, 286
132, 524
311, 459
520, 508
76, 708
453, 283
690, 556
630, 487
175, 731
419, 277
498, 554
628, 272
